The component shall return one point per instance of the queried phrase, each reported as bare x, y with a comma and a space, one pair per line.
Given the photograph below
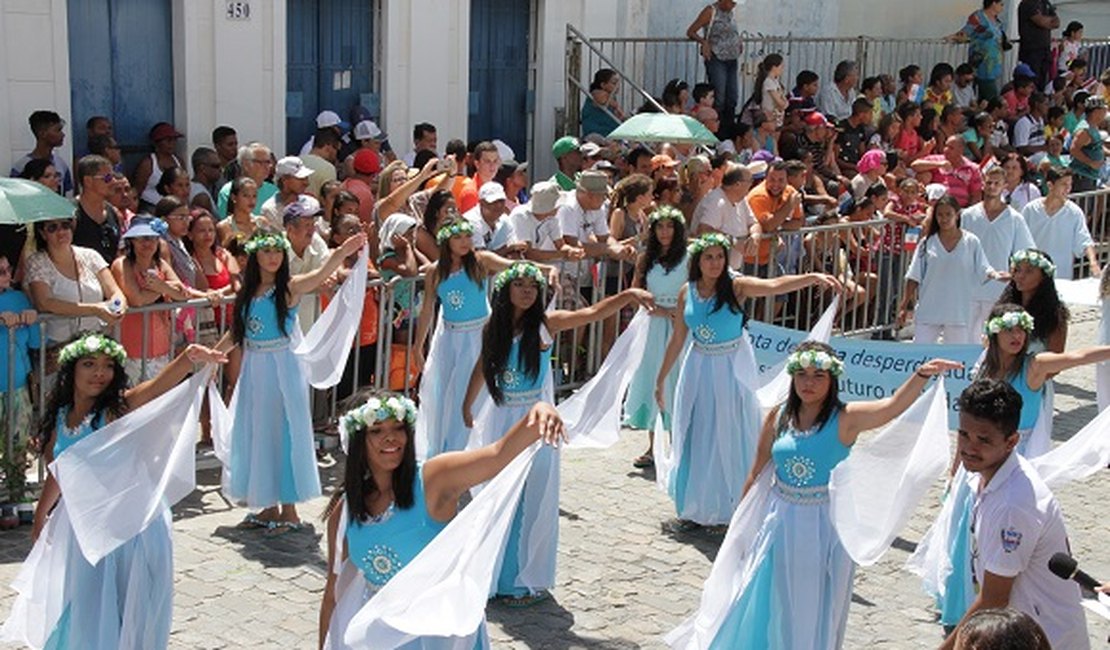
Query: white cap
505, 151
327, 118
291, 166
368, 130
491, 192
590, 149
933, 191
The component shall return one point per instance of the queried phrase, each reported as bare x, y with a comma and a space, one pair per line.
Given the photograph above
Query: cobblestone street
622, 581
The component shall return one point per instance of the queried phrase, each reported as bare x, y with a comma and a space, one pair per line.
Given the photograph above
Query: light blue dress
126, 599
456, 344
273, 456
959, 587
379, 548
798, 596
640, 408
528, 563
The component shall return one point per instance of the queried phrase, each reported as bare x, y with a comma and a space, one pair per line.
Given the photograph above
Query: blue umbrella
23, 202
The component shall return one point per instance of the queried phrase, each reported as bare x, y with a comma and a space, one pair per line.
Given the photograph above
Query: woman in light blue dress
125, 600
1008, 358
272, 456
390, 507
661, 270
458, 280
715, 420
798, 575
515, 369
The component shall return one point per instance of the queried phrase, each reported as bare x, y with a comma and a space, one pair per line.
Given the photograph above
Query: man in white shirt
725, 210
491, 225
1059, 227
1017, 525
835, 100
1029, 137
584, 221
1002, 232
424, 138
309, 250
534, 226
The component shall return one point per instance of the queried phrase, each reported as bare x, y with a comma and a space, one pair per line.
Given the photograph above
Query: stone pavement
622, 581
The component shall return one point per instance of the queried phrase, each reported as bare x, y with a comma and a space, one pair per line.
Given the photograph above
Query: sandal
279, 528
527, 600
252, 522
680, 526
643, 461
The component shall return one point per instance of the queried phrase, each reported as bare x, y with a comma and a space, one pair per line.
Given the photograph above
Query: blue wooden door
121, 66
329, 63
499, 52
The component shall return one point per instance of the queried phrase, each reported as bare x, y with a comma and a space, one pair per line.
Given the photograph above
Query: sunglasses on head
55, 226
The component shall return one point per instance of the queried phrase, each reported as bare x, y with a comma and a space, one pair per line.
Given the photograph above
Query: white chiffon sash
1085, 453
874, 491
117, 481
323, 351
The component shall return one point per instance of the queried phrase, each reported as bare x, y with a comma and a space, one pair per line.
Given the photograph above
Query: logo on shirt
1011, 539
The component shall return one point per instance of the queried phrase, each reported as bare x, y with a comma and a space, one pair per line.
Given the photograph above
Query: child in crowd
17, 317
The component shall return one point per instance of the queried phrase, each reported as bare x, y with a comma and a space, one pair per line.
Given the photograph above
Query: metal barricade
1096, 205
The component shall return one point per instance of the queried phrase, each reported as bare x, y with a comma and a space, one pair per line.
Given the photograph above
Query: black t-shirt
851, 139
1033, 37
101, 237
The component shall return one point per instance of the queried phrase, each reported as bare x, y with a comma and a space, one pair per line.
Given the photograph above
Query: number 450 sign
238, 10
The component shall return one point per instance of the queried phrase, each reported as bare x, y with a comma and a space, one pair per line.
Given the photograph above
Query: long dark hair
1046, 308
793, 405
992, 360
654, 253
497, 340
469, 261
724, 293
252, 279
768, 63
195, 215
109, 403
358, 480
934, 224
436, 201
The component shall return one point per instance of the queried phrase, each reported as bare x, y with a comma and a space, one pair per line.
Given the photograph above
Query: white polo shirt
577, 222
733, 219
1000, 239
1018, 527
1063, 235
525, 227
485, 237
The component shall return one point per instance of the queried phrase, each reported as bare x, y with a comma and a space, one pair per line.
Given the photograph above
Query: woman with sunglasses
70, 281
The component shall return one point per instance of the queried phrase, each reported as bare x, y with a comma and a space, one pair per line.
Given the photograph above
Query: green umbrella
663, 127
23, 202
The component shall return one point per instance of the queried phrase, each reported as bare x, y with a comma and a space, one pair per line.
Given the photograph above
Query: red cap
817, 119
367, 162
164, 130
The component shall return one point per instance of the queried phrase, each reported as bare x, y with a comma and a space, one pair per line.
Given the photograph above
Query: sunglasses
55, 226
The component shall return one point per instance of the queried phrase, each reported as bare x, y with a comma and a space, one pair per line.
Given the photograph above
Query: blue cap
1023, 70
141, 226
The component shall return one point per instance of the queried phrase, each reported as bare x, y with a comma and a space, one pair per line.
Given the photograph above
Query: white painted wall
229, 72
34, 73
425, 46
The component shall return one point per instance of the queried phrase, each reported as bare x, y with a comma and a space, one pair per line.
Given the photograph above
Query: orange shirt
763, 207
368, 324
466, 193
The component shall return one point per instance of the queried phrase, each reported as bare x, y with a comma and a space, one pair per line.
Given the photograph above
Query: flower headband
1033, 258
516, 271
92, 344
1009, 320
819, 359
666, 212
375, 410
254, 244
708, 240
459, 227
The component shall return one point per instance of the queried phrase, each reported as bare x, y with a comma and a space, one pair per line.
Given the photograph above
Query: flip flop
252, 522
643, 461
279, 528
528, 600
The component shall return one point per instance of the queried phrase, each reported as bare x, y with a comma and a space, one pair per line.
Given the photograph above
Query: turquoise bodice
518, 387
710, 327
462, 299
382, 546
1030, 399
64, 438
664, 285
805, 459
262, 321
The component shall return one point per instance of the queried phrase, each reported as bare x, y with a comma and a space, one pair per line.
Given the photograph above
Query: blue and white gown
123, 601
640, 409
368, 554
272, 452
799, 592
456, 345
528, 563
955, 518
716, 420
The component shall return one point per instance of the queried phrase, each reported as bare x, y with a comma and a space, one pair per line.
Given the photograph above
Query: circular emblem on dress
383, 562
254, 324
509, 378
801, 469
455, 299
705, 333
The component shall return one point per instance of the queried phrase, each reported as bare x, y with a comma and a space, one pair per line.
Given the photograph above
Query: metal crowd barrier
850, 251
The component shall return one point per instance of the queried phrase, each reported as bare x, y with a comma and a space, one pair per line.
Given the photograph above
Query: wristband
918, 373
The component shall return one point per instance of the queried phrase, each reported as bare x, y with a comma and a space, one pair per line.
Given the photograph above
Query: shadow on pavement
548, 625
